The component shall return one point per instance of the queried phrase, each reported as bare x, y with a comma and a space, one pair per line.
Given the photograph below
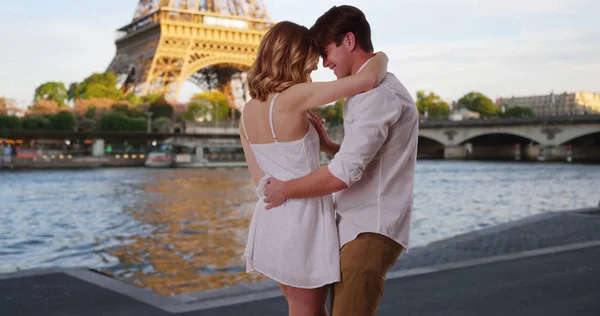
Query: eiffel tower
209, 42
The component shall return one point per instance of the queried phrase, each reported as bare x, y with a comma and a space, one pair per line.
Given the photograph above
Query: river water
178, 231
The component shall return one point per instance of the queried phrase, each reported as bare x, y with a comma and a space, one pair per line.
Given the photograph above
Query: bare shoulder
251, 103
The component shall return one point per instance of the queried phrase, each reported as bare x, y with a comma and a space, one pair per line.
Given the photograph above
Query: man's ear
350, 41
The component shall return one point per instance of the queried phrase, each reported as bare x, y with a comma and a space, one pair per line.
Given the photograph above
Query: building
565, 104
463, 114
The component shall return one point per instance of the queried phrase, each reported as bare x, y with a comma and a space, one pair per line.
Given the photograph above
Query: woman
295, 244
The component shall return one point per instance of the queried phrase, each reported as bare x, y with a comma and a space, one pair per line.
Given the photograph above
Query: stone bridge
575, 138
547, 138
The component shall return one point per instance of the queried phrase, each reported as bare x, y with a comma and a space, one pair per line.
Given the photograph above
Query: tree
216, 103
477, 102
120, 122
153, 98
333, 114
133, 99
137, 124
72, 91
159, 106
138, 111
432, 104
36, 123
10, 122
162, 125
114, 122
52, 91
98, 85
95, 106
6, 105
96, 90
196, 110
517, 111
121, 107
9, 107
43, 107
87, 125
161, 110
63, 121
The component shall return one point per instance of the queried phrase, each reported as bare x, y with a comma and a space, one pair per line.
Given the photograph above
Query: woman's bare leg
307, 302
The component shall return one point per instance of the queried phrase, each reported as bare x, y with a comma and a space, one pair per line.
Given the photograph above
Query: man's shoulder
390, 87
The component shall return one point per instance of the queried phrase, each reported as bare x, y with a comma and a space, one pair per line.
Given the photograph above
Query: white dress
295, 243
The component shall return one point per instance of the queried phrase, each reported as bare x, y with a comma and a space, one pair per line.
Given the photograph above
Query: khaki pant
364, 264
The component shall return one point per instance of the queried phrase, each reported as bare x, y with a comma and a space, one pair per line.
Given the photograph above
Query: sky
449, 47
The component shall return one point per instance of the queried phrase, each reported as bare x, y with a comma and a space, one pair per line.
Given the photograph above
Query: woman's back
284, 144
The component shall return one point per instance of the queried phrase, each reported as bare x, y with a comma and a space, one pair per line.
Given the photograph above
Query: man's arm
366, 132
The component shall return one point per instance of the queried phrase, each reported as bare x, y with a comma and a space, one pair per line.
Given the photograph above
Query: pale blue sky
450, 47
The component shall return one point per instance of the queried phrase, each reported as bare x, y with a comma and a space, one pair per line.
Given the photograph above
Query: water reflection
178, 231
200, 219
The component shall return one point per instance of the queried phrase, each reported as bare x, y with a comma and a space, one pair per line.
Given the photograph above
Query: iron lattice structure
206, 41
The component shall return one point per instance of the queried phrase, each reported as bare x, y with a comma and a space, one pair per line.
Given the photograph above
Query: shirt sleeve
366, 128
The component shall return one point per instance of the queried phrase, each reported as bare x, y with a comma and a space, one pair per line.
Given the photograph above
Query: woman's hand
326, 144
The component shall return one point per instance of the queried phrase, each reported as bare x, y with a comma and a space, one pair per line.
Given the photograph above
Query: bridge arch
433, 135
578, 135
498, 132
429, 148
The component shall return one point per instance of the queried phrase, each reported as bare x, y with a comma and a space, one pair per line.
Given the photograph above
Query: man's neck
361, 59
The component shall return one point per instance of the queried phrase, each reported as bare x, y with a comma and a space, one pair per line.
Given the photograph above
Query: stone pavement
542, 265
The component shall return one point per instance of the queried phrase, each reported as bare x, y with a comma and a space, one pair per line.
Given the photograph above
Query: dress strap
244, 127
271, 117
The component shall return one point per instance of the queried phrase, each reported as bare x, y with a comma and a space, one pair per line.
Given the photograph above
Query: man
374, 167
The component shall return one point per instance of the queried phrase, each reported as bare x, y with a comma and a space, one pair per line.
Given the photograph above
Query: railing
196, 17
581, 119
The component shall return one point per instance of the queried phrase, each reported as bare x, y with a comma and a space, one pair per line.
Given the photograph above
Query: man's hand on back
274, 193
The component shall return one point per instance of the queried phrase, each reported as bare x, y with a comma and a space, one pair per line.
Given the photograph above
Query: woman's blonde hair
286, 56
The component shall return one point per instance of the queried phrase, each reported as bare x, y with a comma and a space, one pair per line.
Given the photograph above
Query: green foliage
161, 110
52, 91
10, 122
137, 124
517, 111
196, 110
119, 122
153, 98
39, 123
87, 125
162, 125
477, 102
133, 99
114, 122
97, 91
158, 106
98, 85
333, 114
90, 113
137, 111
72, 91
63, 121
433, 105
213, 104
120, 108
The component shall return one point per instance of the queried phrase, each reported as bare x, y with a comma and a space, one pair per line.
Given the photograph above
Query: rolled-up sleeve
366, 128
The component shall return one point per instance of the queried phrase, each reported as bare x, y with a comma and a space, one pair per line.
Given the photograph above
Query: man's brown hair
338, 21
